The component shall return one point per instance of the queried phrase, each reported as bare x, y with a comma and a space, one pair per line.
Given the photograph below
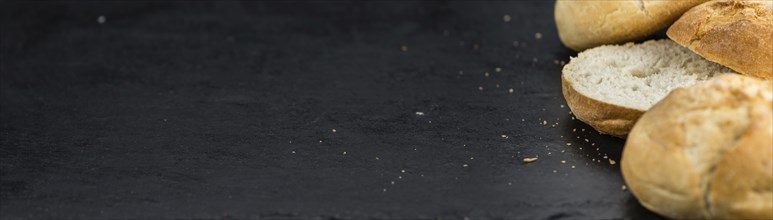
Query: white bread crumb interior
637, 75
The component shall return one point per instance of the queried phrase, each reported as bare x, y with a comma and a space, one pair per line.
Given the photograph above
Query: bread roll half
609, 87
584, 24
735, 33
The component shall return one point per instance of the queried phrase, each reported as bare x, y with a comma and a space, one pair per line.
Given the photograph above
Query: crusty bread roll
584, 24
609, 87
706, 151
737, 34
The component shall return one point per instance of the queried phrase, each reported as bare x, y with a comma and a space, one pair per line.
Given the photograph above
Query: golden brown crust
586, 24
743, 182
705, 151
735, 33
605, 117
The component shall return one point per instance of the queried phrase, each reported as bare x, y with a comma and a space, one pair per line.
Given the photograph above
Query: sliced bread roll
705, 152
734, 33
610, 87
586, 24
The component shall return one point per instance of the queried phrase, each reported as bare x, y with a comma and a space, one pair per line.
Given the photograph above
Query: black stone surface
226, 109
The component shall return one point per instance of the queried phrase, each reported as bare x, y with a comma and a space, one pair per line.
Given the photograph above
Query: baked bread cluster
696, 109
735, 35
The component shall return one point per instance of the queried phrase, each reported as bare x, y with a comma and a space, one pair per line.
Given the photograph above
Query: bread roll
609, 87
584, 24
705, 151
737, 34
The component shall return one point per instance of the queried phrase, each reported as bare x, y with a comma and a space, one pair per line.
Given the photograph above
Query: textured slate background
225, 110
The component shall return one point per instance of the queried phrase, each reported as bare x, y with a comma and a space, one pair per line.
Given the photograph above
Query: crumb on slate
530, 159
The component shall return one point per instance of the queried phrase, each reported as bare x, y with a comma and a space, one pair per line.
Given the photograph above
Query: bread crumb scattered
545, 122
497, 85
568, 144
510, 90
498, 69
293, 152
378, 158
586, 140
465, 165
333, 130
612, 162
530, 159
480, 88
572, 166
486, 74
419, 113
562, 106
506, 18
504, 136
101, 19
624, 188
538, 35
563, 161
344, 153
